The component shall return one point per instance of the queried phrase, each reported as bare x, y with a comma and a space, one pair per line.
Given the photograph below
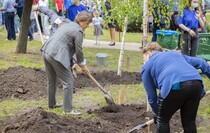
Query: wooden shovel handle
96, 82
207, 93
150, 122
37, 23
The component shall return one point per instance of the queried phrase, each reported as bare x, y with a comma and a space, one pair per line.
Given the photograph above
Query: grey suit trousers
54, 70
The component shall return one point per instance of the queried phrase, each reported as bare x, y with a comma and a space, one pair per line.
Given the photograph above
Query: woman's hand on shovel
85, 69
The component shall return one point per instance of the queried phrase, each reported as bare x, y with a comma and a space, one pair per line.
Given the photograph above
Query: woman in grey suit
57, 51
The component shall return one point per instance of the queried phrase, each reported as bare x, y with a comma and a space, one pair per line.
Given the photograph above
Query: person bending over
179, 83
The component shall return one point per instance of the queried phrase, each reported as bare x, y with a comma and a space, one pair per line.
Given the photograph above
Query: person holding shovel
55, 19
179, 87
57, 52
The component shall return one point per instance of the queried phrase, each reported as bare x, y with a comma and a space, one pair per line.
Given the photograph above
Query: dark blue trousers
10, 25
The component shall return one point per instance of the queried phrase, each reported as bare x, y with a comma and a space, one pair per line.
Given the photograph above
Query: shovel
111, 105
150, 122
37, 22
144, 125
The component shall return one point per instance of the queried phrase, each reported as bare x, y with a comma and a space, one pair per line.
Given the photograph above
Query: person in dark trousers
179, 87
111, 25
189, 21
159, 21
19, 6
57, 52
9, 18
175, 26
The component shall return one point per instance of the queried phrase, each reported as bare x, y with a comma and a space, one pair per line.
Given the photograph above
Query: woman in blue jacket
179, 83
189, 21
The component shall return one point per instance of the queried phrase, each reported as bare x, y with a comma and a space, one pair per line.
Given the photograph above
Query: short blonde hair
96, 13
153, 46
83, 16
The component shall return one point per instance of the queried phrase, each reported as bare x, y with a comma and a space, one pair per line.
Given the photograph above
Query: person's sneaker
56, 106
73, 112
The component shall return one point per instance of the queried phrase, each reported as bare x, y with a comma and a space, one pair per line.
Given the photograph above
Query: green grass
131, 61
14, 105
130, 37
208, 16
9, 58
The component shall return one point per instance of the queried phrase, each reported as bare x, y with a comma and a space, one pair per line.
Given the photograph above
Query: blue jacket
188, 18
164, 69
74, 10
20, 4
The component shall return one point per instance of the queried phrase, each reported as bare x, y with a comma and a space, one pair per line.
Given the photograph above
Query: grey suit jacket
64, 43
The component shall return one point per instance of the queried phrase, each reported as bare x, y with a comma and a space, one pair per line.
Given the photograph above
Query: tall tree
25, 22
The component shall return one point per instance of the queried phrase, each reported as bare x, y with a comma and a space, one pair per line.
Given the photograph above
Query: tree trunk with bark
145, 24
24, 29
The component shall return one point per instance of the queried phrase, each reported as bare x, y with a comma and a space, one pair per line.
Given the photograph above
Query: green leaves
121, 9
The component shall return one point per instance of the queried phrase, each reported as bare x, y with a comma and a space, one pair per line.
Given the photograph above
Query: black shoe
112, 44
56, 106
30, 39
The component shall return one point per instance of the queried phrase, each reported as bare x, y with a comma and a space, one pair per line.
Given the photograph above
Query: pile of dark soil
39, 121
31, 83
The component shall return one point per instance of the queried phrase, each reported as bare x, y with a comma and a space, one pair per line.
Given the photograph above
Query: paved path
103, 44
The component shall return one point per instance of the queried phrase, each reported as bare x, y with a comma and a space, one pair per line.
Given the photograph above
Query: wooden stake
121, 99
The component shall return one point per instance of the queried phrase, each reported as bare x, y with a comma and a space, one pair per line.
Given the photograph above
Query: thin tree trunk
24, 29
122, 47
145, 35
145, 24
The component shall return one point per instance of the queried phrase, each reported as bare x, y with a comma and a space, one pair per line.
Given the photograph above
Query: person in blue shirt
67, 4
180, 85
73, 10
189, 20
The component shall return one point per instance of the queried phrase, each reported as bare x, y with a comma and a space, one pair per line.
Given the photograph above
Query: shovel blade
111, 105
108, 98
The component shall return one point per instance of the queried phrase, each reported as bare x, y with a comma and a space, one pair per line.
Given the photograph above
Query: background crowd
11, 13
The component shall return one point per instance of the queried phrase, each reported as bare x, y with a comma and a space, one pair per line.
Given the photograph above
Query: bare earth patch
30, 83
39, 121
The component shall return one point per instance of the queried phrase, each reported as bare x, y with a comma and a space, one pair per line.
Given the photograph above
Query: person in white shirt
97, 26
